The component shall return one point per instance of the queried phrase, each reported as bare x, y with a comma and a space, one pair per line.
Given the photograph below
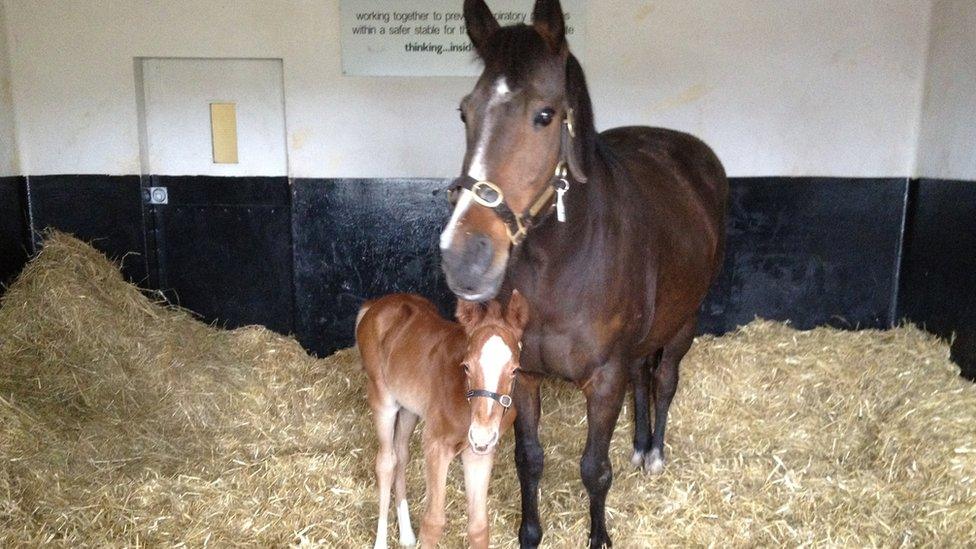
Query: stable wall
939, 281
777, 87
8, 148
947, 140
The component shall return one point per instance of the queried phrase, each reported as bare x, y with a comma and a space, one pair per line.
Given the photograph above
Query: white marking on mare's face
477, 168
464, 202
494, 356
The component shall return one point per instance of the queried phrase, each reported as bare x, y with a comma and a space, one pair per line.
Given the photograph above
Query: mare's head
528, 122
490, 362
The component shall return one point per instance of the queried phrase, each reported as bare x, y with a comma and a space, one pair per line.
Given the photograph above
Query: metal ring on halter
481, 188
561, 171
504, 400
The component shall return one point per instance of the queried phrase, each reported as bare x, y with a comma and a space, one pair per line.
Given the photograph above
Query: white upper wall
8, 144
947, 142
777, 87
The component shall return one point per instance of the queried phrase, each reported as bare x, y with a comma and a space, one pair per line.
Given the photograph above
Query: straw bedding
124, 422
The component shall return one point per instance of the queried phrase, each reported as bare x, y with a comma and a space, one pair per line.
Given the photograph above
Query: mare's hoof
599, 542
654, 462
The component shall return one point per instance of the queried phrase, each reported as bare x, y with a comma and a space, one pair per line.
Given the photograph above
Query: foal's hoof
407, 539
654, 462
637, 458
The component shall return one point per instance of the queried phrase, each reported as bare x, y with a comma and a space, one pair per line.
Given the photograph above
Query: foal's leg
604, 398
384, 418
477, 473
528, 457
665, 383
437, 459
640, 380
406, 421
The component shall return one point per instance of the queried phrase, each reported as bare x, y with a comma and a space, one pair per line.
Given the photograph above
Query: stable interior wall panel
14, 241
101, 209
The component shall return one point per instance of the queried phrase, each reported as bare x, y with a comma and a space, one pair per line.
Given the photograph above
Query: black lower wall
357, 239
222, 248
938, 281
814, 251
105, 210
300, 256
14, 242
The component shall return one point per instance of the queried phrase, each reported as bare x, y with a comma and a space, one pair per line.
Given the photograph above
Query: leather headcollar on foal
517, 225
504, 400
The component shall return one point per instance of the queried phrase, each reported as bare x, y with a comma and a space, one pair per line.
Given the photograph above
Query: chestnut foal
458, 378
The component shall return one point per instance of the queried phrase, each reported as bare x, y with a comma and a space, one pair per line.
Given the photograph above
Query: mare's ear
517, 313
469, 313
583, 144
481, 23
547, 18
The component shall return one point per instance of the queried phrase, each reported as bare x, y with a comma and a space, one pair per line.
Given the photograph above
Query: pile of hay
124, 422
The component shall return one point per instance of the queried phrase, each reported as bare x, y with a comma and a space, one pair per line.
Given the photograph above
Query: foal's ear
517, 313
547, 18
469, 313
481, 23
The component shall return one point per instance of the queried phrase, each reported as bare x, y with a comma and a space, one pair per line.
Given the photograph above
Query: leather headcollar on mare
491, 196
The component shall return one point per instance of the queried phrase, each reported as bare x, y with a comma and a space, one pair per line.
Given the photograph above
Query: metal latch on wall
157, 195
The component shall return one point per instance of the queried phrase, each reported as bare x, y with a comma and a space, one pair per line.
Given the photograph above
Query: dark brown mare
615, 278
456, 377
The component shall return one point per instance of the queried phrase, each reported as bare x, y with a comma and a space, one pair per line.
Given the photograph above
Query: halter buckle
484, 189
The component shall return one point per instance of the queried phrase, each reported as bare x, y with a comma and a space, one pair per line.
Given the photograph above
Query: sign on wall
428, 37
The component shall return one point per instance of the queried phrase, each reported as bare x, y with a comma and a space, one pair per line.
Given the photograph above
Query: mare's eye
544, 117
463, 118
466, 368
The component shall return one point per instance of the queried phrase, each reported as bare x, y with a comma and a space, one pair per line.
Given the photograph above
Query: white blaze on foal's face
492, 369
495, 355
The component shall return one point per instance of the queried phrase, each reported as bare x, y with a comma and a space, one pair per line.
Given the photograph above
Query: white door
178, 130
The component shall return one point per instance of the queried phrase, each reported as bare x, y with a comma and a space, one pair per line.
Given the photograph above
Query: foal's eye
466, 368
463, 118
544, 117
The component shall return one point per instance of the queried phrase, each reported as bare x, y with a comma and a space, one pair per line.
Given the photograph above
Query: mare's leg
437, 459
665, 383
640, 380
605, 394
384, 418
477, 473
406, 421
528, 456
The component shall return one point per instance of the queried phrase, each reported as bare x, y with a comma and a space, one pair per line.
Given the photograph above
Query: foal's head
527, 118
490, 362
